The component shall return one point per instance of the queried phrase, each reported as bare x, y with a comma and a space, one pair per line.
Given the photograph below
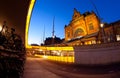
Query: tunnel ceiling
14, 12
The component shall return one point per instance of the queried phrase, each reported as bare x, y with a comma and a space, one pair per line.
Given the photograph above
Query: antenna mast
53, 35
96, 10
44, 34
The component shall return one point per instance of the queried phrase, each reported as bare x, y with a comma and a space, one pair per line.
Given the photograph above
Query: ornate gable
76, 14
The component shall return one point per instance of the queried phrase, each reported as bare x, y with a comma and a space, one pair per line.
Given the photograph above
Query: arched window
78, 32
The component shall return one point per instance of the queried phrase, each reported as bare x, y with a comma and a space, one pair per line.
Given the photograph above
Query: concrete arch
32, 2
17, 15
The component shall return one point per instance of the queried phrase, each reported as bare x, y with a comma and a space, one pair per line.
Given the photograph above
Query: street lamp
103, 32
101, 25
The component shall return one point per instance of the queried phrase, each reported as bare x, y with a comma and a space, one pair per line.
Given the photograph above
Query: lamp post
103, 32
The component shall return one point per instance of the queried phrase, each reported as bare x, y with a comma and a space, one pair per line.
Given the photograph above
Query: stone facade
112, 31
81, 25
85, 29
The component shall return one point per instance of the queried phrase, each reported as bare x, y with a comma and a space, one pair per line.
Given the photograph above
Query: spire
75, 10
76, 14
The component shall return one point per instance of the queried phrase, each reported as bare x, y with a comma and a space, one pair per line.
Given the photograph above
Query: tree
49, 41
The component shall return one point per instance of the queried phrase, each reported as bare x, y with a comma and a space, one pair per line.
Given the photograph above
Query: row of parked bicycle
12, 53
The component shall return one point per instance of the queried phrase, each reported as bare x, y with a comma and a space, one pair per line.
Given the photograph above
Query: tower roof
76, 14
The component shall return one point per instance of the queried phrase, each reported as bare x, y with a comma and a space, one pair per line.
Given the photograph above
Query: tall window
68, 34
118, 30
91, 27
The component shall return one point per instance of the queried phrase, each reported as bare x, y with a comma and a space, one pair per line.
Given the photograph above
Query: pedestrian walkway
40, 68
35, 70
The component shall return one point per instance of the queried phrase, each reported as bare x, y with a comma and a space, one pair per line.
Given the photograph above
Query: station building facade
85, 29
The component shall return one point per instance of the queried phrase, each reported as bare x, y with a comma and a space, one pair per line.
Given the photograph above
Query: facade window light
108, 39
93, 42
118, 37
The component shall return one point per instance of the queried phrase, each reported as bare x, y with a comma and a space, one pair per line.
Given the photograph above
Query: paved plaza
40, 68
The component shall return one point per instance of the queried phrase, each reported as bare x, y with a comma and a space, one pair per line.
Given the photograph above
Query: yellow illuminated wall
64, 59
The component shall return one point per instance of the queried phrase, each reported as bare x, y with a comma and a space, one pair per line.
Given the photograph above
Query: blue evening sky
45, 10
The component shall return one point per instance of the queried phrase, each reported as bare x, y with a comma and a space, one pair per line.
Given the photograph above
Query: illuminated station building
86, 29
